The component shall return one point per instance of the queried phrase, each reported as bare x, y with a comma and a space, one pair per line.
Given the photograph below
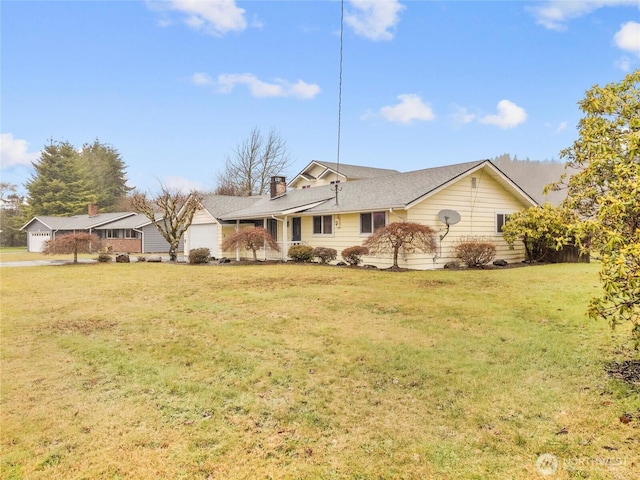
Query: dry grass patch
295, 371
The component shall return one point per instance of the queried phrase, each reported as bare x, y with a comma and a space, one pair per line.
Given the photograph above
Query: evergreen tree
105, 171
12, 216
58, 187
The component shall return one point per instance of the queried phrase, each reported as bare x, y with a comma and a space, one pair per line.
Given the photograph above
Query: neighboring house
134, 234
123, 231
327, 205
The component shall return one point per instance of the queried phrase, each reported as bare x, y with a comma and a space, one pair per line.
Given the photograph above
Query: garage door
203, 236
37, 239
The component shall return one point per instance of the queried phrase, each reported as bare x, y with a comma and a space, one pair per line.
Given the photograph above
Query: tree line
67, 179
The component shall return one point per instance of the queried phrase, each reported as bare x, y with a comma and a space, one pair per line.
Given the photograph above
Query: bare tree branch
253, 162
171, 211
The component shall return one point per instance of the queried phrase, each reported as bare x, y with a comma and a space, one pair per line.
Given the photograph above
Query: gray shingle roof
397, 190
80, 222
356, 171
219, 205
136, 220
393, 191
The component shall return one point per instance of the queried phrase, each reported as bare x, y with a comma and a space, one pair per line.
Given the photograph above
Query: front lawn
304, 371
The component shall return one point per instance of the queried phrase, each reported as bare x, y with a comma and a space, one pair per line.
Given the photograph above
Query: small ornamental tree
408, 236
251, 239
540, 229
72, 243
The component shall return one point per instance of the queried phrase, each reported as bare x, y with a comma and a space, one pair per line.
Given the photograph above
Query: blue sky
176, 85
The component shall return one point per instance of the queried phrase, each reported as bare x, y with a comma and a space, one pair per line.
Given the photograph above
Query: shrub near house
300, 253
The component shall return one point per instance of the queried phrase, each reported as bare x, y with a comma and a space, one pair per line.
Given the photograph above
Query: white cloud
561, 127
461, 115
555, 14
13, 151
181, 184
410, 108
628, 37
374, 19
226, 82
623, 63
201, 79
509, 115
216, 17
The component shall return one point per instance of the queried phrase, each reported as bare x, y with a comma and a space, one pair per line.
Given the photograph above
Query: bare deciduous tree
251, 239
409, 236
171, 211
75, 243
249, 169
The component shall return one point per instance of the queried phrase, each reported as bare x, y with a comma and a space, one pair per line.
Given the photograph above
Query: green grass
302, 371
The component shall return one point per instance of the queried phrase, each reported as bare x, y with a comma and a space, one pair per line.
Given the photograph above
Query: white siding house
334, 206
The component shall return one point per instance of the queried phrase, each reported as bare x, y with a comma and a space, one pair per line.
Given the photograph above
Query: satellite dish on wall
449, 217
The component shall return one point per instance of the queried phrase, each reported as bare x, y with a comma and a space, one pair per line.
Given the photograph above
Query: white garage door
37, 239
203, 236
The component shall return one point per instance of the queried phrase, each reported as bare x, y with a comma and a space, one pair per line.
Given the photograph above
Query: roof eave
106, 222
30, 221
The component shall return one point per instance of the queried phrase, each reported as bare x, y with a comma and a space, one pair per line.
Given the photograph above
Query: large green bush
300, 253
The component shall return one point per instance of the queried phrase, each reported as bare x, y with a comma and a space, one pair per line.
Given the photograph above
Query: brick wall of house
124, 245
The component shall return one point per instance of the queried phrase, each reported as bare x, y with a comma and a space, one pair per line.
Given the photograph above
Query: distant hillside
532, 176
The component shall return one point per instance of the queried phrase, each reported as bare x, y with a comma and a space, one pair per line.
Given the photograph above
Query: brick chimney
93, 209
278, 186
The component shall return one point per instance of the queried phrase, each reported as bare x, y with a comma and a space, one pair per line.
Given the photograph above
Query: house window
306, 186
370, 222
501, 219
474, 182
111, 233
272, 228
130, 233
323, 225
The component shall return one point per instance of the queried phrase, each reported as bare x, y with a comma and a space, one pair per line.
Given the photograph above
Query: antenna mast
339, 100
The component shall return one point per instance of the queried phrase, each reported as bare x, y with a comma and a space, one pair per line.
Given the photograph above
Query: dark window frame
501, 220
272, 228
371, 221
323, 225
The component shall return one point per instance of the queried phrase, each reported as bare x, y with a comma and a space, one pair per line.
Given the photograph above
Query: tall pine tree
105, 171
58, 186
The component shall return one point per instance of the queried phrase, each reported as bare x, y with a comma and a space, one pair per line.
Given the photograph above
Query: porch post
237, 248
285, 239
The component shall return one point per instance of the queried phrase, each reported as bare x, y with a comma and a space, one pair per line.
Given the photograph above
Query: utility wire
339, 100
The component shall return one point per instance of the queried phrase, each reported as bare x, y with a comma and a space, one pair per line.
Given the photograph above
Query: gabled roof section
78, 222
356, 172
344, 171
294, 201
137, 220
220, 205
400, 190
